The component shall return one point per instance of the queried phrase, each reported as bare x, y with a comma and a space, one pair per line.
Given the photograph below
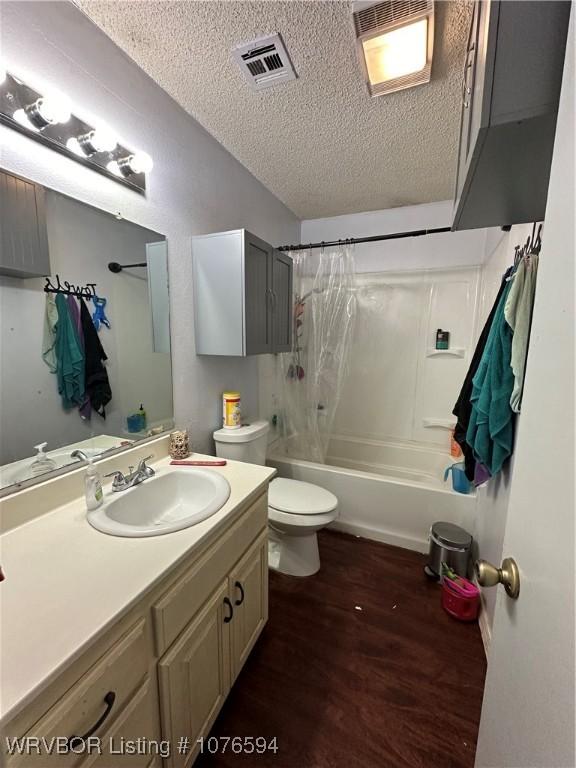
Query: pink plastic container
460, 598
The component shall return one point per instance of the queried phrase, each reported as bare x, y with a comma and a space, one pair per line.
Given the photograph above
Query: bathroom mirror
85, 363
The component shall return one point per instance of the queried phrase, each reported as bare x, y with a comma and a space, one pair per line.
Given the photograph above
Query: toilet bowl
296, 510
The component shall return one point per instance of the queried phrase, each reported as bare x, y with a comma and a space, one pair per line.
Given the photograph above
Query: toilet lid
300, 498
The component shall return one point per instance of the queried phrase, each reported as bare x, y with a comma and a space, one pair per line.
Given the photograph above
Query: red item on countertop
187, 463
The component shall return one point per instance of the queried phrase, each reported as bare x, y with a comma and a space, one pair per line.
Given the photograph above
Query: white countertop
67, 583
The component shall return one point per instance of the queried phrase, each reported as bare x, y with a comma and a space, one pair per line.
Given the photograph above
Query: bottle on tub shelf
231, 410
442, 339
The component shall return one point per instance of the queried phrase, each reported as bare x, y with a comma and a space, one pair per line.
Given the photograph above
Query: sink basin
168, 502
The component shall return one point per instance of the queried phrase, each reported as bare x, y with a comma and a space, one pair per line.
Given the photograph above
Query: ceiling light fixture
395, 40
47, 118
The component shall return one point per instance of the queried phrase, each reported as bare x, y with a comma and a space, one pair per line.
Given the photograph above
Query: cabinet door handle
228, 604
109, 699
239, 586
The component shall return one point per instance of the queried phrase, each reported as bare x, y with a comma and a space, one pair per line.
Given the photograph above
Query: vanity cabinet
23, 234
165, 670
197, 672
242, 295
510, 93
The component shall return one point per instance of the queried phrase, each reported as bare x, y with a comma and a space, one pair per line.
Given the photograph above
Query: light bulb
141, 162
137, 162
46, 110
102, 139
99, 139
114, 168
74, 146
22, 118
54, 108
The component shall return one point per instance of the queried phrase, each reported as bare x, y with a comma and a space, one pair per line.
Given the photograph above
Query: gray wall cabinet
510, 92
242, 295
23, 235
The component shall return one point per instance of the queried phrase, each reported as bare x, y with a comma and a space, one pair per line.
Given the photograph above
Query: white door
528, 717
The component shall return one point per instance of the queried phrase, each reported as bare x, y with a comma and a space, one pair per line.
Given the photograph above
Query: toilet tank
247, 443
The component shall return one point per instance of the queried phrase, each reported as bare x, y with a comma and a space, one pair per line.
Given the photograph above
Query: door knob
508, 575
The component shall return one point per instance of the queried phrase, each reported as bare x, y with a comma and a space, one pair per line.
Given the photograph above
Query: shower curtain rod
372, 239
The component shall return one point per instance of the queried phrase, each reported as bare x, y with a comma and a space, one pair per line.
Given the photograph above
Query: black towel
97, 384
463, 407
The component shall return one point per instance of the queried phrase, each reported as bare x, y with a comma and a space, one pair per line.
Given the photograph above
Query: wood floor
358, 667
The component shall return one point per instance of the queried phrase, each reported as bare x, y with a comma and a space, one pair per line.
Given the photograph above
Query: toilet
296, 510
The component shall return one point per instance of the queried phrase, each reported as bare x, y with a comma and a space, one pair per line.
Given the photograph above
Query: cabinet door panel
249, 591
23, 236
476, 87
195, 677
257, 279
282, 302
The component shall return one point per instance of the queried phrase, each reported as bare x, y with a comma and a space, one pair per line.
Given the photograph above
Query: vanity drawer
183, 600
119, 671
136, 729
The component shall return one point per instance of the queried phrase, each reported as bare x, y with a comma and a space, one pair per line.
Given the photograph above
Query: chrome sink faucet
122, 482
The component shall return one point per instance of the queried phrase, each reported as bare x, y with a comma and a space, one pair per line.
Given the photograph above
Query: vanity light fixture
395, 43
47, 118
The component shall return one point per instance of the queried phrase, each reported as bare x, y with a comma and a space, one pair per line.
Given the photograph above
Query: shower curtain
312, 374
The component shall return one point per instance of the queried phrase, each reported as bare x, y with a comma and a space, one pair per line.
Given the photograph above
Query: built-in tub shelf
431, 422
452, 352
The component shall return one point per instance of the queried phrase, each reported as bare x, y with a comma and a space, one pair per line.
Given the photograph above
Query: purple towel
481, 474
74, 310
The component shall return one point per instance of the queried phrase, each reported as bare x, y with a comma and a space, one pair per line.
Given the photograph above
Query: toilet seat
294, 497
303, 522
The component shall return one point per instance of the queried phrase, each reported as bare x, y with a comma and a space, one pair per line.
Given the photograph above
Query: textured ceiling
320, 143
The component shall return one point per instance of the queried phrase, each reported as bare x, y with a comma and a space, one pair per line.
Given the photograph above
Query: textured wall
196, 185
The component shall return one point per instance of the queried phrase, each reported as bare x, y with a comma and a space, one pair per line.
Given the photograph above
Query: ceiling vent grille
265, 62
389, 14
374, 19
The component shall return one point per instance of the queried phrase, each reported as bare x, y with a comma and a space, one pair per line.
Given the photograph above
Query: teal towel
69, 357
490, 431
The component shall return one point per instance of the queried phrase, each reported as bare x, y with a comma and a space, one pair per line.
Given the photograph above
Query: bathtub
387, 491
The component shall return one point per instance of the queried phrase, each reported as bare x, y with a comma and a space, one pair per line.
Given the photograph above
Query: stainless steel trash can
449, 544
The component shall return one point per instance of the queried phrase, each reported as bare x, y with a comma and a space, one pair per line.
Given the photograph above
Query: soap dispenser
41, 463
93, 486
